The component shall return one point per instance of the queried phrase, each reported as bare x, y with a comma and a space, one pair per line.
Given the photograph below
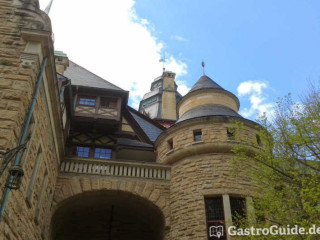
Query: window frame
221, 222
228, 213
85, 97
108, 100
100, 148
84, 147
231, 133
170, 144
196, 134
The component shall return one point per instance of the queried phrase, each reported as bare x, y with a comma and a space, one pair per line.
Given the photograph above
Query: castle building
78, 163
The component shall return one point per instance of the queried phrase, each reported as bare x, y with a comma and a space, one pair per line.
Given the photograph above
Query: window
108, 103
197, 135
230, 133
104, 153
238, 208
87, 101
83, 151
258, 139
170, 144
216, 212
215, 217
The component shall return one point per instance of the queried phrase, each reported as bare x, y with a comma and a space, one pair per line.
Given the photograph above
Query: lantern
14, 178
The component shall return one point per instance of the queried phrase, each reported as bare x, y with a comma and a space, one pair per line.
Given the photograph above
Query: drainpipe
70, 99
62, 93
24, 132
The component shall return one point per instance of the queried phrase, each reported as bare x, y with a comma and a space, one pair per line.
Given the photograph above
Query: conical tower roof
207, 98
205, 82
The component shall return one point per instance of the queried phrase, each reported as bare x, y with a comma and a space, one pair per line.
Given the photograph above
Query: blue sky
259, 50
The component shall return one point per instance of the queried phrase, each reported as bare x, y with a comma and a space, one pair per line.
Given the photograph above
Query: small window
83, 152
258, 140
108, 103
197, 135
104, 153
87, 101
230, 133
170, 144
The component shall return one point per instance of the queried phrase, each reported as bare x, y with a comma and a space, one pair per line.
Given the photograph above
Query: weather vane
203, 65
163, 60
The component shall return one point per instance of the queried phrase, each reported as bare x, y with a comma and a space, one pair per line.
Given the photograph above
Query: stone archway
107, 215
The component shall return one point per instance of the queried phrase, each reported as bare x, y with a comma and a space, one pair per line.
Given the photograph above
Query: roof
60, 54
205, 82
152, 93
208, 110
149, 129
82, 77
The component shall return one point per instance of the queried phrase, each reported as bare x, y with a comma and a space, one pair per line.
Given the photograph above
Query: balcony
109, 168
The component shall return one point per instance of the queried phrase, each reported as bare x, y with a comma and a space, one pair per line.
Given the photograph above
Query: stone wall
19, 67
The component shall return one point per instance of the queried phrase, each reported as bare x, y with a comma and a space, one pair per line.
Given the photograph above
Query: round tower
205, 193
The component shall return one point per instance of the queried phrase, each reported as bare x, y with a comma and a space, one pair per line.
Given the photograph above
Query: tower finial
163, 60
203, 65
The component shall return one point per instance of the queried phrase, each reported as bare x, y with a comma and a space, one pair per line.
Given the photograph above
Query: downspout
62, 93
24, 132
70, 99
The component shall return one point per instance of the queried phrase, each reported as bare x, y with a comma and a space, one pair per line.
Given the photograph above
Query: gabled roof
151, 128
82, 77
205, 82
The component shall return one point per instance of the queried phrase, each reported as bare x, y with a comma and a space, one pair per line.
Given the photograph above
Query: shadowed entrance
107, 215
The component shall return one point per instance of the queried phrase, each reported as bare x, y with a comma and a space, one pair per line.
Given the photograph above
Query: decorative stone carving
28, 4
29, 60
31, 16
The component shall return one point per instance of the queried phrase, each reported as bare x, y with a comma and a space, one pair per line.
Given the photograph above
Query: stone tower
160, 103
198, 146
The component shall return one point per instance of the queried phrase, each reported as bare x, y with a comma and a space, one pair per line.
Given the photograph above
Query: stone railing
115, 168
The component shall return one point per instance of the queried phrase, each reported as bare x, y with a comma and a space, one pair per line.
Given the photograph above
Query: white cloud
250, 87
179, 38
253, 90
183, 89
109, 39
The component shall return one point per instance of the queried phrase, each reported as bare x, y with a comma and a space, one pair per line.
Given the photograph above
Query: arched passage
107, 215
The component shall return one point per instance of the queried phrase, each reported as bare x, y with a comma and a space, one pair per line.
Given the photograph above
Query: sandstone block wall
18, 75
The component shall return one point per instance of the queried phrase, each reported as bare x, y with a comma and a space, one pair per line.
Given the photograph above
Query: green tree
286, 168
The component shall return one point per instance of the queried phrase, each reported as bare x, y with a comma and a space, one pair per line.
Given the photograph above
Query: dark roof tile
208, 110
150, 130
82, 77
205, 82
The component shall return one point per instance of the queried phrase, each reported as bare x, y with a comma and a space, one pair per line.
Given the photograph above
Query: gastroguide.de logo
274, 230
216, 231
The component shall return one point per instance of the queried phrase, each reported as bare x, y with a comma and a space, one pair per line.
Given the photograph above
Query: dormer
95, 100
94, 105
